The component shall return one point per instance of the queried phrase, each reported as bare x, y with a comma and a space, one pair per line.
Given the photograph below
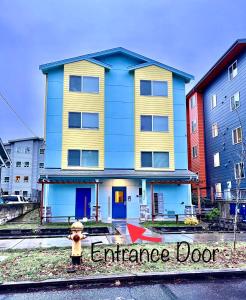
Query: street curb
123, 278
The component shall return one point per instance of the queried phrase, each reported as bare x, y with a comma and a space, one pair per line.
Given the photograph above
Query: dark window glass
74, 120
146, 123
145, 87
75, 83
74, 157
146, 159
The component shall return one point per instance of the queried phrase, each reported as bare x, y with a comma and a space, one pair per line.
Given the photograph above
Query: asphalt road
223, 289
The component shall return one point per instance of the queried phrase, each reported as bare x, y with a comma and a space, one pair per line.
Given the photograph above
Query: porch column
144, 192
152, 200
97, 195
41, 204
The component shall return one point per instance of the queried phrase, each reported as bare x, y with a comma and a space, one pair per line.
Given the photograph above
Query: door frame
115, 188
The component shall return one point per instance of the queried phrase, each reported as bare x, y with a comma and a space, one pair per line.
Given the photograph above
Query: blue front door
83, 203
118, 202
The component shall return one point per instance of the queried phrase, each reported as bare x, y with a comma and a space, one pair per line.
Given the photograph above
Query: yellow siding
149, 105
83, 139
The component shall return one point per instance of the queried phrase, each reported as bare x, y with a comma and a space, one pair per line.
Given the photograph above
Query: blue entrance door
83, 203
118, 202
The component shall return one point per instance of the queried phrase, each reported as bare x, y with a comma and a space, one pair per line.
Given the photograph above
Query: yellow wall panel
83, 139
150, 105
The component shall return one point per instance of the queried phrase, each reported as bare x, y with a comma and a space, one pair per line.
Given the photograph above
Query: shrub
191, 221
213, 214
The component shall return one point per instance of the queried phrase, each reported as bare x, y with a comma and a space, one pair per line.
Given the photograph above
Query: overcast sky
187, 34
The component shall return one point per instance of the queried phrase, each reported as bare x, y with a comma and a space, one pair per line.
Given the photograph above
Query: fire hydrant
76, 236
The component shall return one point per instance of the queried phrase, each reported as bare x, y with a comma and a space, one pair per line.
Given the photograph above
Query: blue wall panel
180, 136
54, 108
227, 120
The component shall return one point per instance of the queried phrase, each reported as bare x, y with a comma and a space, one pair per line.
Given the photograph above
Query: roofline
24, 139
90, 57
213, 68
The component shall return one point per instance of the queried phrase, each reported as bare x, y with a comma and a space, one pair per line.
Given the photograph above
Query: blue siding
180, 137
54, 107
119, 112
227, 120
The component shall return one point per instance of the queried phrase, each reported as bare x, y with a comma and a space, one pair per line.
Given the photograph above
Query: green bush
213, 215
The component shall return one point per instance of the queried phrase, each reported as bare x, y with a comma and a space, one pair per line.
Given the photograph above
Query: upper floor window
83, 158
218, 190
237, 135
232, 70
84, 84
26, 164
27, 150
235, 101
153, 88
215, 130
155, 159
26, 179
194, 152
217, 159
193, 126
214, 101
17, 179
83, 120
6, 179
41, 151
193, 101
154, 123
18, 164
239, 170
41, 165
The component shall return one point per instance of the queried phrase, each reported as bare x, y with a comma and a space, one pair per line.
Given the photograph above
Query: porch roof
74, 175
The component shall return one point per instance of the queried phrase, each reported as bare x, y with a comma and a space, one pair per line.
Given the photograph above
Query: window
18, 150
17, 179
239, 170
83, 120
74, 120
218, 190
193, 126
90, 120
232, 70
154, 123
27, 150
16, 193
155, 159
6, 179
214, 101
84, 84
194, 152
215, 130
41, 151
26, 164
84, 158
26, 179
237, 135
25, 193
217, 159
41, 165
153, 88
235, 101
18, 164
193, 101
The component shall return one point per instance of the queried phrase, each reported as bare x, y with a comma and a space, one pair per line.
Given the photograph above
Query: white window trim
82, 84
229, 71
237, 135
212, 101
234, 98
214, 136
216, 166
152, 123
235, 172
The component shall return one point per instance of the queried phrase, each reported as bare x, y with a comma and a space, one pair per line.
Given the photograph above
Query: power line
4, 99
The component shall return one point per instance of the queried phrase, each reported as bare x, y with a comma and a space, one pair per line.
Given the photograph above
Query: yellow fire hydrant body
76, 236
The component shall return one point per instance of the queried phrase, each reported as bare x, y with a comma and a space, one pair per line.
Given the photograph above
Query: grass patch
31, 220
41, 264
149, 224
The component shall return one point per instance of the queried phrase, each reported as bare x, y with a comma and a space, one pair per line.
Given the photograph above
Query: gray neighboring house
20, 178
